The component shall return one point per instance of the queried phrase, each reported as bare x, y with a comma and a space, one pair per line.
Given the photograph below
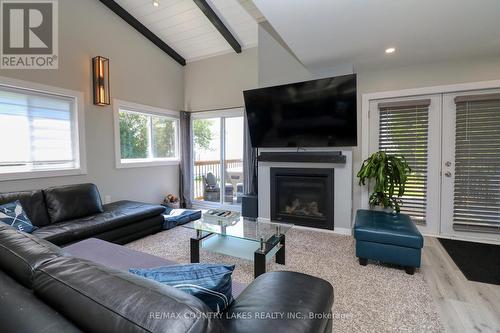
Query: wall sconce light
100, 69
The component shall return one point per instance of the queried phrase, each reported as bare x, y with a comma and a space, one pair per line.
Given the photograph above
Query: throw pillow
209, 282
12, 213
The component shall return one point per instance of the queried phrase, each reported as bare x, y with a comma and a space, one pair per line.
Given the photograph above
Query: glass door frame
222, 114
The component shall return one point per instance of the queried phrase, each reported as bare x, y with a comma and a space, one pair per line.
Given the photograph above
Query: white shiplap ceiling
184, 27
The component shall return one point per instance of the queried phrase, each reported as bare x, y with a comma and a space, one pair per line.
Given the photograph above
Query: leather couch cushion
101, 299
115, 215
33, 204
131, 232
387, 228
21, 254
282, 292
72, 201
22, 311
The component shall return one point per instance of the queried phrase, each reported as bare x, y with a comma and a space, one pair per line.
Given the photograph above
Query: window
403, 130
146, 136
39, 131
218, 157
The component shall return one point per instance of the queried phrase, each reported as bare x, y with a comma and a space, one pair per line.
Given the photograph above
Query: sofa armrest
282, 302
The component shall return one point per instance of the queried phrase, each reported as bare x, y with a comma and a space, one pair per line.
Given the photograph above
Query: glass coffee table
256, 240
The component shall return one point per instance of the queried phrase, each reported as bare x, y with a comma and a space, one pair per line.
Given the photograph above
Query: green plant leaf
389, 173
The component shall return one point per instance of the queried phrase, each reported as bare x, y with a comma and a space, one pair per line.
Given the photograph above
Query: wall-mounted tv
318, 113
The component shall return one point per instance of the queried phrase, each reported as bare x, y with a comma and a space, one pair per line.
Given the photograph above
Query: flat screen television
317, 113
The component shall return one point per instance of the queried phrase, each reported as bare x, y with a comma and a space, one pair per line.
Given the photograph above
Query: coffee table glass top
254, 230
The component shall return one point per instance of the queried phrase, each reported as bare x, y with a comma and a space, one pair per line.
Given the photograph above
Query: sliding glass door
217, 158
233, 159
206, 154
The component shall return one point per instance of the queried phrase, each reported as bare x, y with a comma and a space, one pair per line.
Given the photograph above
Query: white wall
277, 66
218, 82
140, 72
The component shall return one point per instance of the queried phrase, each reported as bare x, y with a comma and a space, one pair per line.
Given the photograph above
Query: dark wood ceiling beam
127, 17
216, 21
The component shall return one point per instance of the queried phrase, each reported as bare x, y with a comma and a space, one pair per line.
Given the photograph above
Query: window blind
403, 130
36, 131
477, 164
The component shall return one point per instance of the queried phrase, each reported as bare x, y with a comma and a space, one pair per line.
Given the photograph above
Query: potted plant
390, 174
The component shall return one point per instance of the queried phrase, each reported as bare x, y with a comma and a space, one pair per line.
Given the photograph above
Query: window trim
223, 113
78, 126
148, 110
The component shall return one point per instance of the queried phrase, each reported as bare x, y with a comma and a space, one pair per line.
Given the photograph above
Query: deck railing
202, 168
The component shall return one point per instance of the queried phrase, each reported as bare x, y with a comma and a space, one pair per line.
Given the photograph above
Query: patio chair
211, 189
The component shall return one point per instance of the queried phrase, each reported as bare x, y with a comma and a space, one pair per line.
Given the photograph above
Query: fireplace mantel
303, 157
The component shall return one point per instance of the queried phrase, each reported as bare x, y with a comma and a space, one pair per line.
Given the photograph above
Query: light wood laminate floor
464, 306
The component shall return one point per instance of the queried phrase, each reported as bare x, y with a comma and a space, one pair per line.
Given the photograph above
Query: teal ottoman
389, 238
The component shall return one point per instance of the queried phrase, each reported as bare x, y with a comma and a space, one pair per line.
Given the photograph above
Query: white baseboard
339, 231
343, 231
467, 239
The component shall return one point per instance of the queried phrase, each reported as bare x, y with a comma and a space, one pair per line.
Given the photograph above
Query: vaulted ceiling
184, 27
326, 33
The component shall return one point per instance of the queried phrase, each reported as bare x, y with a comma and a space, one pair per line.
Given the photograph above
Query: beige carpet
373, 298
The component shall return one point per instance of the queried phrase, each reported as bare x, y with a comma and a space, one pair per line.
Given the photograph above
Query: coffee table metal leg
259, 263
260, 258
195, 250
280, 255
195, 245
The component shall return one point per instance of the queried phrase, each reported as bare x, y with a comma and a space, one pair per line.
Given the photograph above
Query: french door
471, 165
411, 127
452, 143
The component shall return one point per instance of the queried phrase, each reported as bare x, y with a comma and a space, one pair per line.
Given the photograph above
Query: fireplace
303, 196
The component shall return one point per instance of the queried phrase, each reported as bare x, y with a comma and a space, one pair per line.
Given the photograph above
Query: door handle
447, 174
448, 163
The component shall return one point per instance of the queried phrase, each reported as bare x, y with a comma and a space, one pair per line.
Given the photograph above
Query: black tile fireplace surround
303, 196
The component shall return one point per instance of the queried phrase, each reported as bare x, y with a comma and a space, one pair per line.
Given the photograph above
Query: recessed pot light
390, 50
156, 3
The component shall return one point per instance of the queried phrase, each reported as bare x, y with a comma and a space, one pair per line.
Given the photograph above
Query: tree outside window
145, 136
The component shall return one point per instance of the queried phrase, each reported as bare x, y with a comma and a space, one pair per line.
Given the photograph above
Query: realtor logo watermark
29, 34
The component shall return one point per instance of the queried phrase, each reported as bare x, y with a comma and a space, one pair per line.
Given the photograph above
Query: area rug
478, 262
373, 298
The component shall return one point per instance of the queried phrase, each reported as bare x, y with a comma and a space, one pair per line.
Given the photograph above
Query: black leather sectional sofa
66, 214
42, 289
